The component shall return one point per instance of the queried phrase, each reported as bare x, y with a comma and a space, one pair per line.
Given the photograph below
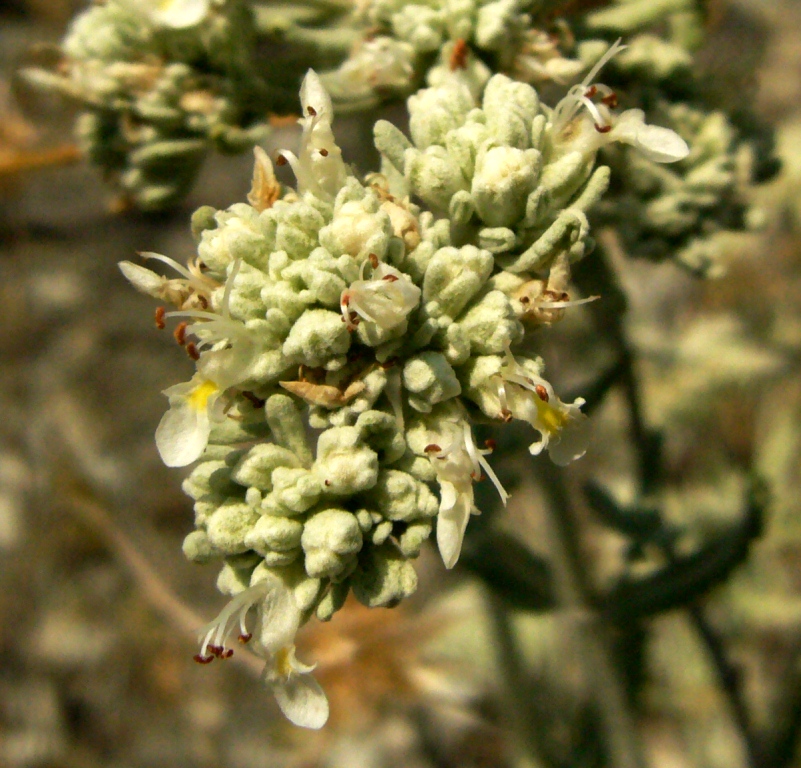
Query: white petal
302, 700
661, 144
180, 13
451, 525
182, 434
144, 280
572, 442
280, 618
314, 95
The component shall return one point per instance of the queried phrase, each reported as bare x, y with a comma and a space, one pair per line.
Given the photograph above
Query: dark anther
280, 160
491, 444
204, 304
390, 278
216, 650
459, 53
542, 393
525, 300
324, 152
603, 128
610, 100
327, 483
191, 350
506, 414
432, 448
373, 260
246, 638
160, 318
312, 111
590, 92
203, 659
227, 653
180, 333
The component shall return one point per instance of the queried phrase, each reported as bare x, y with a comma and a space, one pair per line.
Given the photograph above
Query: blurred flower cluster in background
641, 606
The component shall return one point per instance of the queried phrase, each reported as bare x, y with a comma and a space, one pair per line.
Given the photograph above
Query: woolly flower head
342, 343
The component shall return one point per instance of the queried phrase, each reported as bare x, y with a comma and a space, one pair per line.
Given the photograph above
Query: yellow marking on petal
198, 399
283, 661
553, 419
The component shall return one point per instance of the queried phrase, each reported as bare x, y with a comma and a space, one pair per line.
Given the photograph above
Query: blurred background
99, 610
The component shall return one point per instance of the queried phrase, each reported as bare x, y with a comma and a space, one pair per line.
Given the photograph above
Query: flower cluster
678, 212
160, 83
346, 341
403, 44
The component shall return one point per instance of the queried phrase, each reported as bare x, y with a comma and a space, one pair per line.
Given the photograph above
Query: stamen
432, 448
203, 659
458, 59
542, 393
324, 152
191, 350
160, 314
180, 333
280, 159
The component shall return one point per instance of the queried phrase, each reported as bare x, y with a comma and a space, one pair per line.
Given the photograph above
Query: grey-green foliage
407, 44
499, 174
156, 98
677, 211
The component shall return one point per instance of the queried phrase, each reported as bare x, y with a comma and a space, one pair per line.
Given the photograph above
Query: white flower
386, 299
298, 694
318, 168
177, 14
563, 428
458, 464
587, 132
183, 432
192, 290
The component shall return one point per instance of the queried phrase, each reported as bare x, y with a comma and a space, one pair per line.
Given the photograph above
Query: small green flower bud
328, 538
295, 490
435, 111
229, 525
429, 379
435, 176
454, 276
381, 533
318, 335
279, 534
510, 108
503, 180
286, 425
344, 464
491, 325
400, 497
383, 578
256, 467
333, 600
197, 548
419, 25
412, 539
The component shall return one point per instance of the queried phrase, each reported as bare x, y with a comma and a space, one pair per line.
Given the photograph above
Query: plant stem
576, 593
516, 695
